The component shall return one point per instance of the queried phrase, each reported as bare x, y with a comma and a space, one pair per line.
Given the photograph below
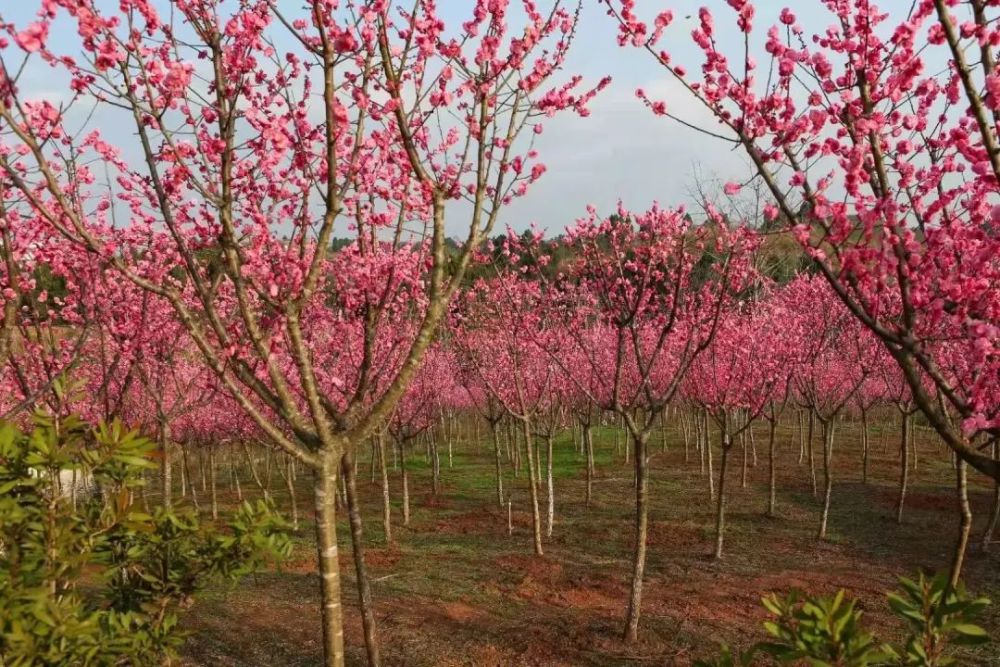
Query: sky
621, 150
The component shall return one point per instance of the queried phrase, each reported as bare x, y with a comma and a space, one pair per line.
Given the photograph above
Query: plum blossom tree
641, 298
875, 134
260, 130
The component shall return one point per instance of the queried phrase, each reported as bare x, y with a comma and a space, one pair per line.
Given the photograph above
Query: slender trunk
510, 517
449, 453
720, 507
707, 444
254, 474
435, 466
700, 439
550, 488
628, 449
772, 475
204, 476
406, 484
588, 437
864, 446
384, 472
239, 489
904, 467
639, 552
325, 491
290, 487
827, 477
357, 542
536, 519
743, 479
686, 434
663, 432
166, 471
964, 523
995, 512
187, 471
753, 445
802, 436
212, 483
811, 452
499, 463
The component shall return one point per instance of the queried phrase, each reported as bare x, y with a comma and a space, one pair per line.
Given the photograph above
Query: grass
457, 590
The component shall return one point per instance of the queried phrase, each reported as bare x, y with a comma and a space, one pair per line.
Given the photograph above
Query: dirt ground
456, 589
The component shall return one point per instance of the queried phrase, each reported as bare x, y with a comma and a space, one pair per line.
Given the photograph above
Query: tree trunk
212, 487
707, 444
361, 571
827, 476
639, 553
904, 467
204, 476
864, 446
550, 488
743, 479
720, 507
995, 512
384, 472
588, 437
253, 473
406, 484
325, 491
290, 487
166, 471
811, 452
802, 437
701, 437
663, 432
536, 519
772, 475
499, 464
964, 523
435, 466
187, 472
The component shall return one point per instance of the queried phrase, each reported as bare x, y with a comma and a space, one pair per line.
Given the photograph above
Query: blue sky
621, 150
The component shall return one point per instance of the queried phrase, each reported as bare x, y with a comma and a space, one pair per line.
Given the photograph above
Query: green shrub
95, 582
828, 631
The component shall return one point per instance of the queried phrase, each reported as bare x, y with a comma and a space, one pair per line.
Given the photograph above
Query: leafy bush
96, 582
828, 632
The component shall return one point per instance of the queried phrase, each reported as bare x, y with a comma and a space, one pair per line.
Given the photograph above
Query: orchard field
457, 589
499, 332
